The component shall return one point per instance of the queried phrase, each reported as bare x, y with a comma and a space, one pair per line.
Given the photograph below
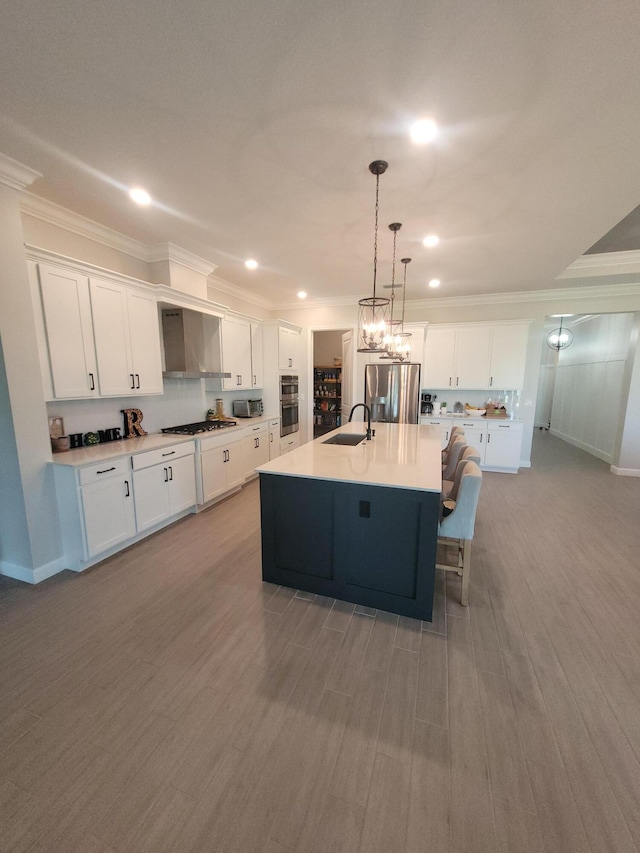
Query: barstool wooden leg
466, 571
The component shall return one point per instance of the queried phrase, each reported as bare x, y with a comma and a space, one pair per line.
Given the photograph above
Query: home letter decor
133, 423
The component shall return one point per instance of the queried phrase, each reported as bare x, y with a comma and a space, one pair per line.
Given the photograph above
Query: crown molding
16, 175
171, 252
240, 293
595, 292
606, 263
55, 214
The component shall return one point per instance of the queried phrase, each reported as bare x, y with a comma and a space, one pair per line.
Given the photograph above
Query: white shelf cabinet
103, 336
504, 440
236, 341
274, 438
223, 465
127, 336
475, 433
442, 424
288, 349
256, 447
107, 505
69, 331
164, 484
257, 357
475, 356
289, 443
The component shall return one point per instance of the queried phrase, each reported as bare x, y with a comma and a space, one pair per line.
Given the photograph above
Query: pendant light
403, 350
392, 338
373, 312
559, 338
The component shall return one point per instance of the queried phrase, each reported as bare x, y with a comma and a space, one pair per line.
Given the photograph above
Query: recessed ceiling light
423, 131
302, 294
140, 196
251, 264
435, 282
430, 241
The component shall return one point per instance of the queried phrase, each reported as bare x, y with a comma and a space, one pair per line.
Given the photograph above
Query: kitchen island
358, 523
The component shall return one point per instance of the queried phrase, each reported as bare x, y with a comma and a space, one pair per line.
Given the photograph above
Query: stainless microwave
247, 408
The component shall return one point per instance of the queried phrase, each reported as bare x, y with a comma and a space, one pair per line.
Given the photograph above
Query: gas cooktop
201, 426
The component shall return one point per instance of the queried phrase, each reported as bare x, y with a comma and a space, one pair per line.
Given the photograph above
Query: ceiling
252, 125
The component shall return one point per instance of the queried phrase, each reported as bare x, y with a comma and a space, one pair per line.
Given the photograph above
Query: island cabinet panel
369, 545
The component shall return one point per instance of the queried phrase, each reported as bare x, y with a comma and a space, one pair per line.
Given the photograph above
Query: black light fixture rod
377, 168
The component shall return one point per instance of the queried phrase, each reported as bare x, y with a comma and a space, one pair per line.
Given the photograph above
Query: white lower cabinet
475, 434
107, 505
164, 484
443, 424
497, 442
223, 465
274, 438
256, 445
289, 443
504, 441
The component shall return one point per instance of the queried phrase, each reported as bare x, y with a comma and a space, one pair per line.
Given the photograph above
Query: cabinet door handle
271, 438
133, 382
488, 438
92, 387
170, 472
457, 381
137, 380
127, 493
255, 381
480, 438
166, 475
170, 453
106, 470
490, 381
449, 381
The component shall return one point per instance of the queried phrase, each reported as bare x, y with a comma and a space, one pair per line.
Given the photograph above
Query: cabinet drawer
104, 470
166, 454
258, 429
510, 426
224, 439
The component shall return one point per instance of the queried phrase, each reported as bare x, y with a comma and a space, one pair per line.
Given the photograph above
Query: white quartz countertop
403, 456
114, 449
80, 456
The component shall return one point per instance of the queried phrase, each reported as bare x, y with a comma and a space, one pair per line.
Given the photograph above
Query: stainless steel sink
345, 438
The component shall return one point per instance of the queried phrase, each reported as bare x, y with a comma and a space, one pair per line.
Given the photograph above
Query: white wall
590, 396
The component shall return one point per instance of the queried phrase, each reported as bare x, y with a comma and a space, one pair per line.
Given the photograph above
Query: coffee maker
426, 403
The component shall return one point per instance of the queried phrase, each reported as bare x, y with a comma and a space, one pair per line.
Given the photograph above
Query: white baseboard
625, 472
33, 576
594, 451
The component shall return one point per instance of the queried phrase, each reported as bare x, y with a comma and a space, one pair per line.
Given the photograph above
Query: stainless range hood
191, 345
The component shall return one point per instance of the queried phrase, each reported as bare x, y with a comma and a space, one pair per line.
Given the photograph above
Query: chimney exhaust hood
191, 345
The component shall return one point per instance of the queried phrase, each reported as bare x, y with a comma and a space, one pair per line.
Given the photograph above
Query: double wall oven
289, 405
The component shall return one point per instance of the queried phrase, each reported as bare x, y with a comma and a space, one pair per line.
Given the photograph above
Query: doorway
327, 380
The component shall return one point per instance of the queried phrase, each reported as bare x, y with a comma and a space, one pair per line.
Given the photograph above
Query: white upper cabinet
236, 353
257, 357
508, 355
69, 330
473, 346
475, 356
439, 351
288, 349
127, 337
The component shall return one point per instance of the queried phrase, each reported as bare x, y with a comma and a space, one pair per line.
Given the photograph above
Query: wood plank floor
168, 700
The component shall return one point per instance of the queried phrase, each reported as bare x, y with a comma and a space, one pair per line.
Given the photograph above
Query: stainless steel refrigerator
392, 392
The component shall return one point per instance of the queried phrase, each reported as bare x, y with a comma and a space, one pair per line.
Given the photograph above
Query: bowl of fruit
473, 411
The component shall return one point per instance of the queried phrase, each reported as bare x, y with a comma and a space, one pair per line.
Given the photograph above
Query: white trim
16, 175
32, 576
171, 252
37, 254
592, 451
625, 472
605, 263
240, 293
55, 214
